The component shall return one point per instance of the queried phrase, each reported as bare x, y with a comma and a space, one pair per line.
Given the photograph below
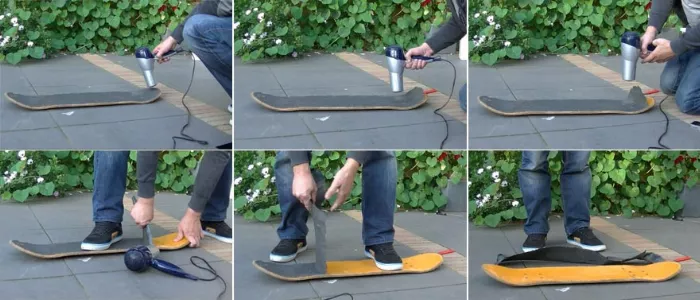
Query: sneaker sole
218, 237
591, 248
288, 258
99, 247
383, 266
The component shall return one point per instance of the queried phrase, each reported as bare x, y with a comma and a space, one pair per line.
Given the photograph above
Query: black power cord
665, 130
343, 294
210, 270
454, 82
184, 136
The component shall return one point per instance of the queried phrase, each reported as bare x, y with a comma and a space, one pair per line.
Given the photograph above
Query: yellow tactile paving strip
205, 112
216, 248
691, 268
454, 260
615, 79
435, 99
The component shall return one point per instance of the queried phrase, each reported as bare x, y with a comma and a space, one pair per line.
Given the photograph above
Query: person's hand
342, 183
142, 212
646, 40
303, 185
417, 64
166, 45
662, 53
190, 228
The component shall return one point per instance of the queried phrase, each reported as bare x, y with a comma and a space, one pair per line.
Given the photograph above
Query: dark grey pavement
552, 77
254, 241
149, 126
485, 244
93, 277
324, 74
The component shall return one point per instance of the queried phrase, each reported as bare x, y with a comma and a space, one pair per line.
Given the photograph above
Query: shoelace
586, 233
286, 244
101, 229
386, 250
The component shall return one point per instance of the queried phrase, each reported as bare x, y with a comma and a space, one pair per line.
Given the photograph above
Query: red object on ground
682, 258
442, 156
444, 252
429, 91
651, 92
648, 6
424, 3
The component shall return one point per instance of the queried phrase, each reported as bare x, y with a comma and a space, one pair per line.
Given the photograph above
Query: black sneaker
384, 256
287, 250
102, 236
534, 242
585, 239
218, 230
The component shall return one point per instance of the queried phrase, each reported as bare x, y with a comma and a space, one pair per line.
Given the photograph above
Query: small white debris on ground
323, 118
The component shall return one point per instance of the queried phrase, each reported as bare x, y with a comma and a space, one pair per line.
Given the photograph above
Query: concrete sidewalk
69, 219
623, 237
571, 77
344, 74
149, 126
254, 241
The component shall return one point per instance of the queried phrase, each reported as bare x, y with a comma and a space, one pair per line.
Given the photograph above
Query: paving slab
452, 234
524, 141
326, 74
307, 141
58, 288
398, 137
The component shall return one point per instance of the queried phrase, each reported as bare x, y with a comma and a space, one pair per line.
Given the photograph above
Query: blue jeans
379, 175
534, 180
463, 97
681, 77
210, 39
110, 169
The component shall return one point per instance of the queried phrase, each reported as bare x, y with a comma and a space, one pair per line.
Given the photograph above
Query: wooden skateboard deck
44, 102
656, 272
421, 263
410, 100
636, 103
60, 250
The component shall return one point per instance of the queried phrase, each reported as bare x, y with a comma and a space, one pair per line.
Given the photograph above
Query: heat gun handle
171, 269
171, 53
425, 58
651, 47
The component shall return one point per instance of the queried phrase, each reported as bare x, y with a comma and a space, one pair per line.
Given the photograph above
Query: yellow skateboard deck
421, 263
656, 272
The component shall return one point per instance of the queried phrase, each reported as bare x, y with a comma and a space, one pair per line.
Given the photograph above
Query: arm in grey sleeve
146, 168
221, 8
660, 10
360, 156
211, 167
299, 157
689, 40
447, 35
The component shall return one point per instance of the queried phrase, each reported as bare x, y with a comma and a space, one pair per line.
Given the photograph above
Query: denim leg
463, 97
688, 92
210, 39
109, 177
535, 184
379, 175
671, 75
576, 190
220, 201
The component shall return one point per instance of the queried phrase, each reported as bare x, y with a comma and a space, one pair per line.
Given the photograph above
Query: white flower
261, 16
250, 167
266, 176
237, 181
235, 25
14, 20
246, 34
476, 37
484, 12
515, 203
278, 41
55, 194
272, 179
246, 41
495, 175
479, 203
497, 180
469, 183
498, 26
30, 43
8, 14
265, 170
255, 9
269, 23
21, 27
6, 172
2, 17
476, 16
506, 43
487, 197
21, 153
23, 173
478, 196
40, 180
504, 183
247, 12
248, 191
479, 171
257, 163
489, 167
23, 158
489, 19
498, 196
263, 35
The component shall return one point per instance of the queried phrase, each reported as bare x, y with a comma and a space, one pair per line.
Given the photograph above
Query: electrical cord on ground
665, 130
454, 82
343, 294
184, 136
210, 270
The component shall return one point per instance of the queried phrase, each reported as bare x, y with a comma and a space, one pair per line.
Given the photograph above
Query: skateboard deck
656, 272
421, 263
60, 250
410, 100
44, 102
635, 103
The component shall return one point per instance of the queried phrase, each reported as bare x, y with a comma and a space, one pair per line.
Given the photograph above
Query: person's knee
667, 83
576, 161
195, 25
688, 102
534, 160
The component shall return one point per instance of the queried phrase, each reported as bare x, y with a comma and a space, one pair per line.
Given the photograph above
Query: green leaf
36, 52
262, 215
520, 213
618, 176
428, 205
33, 35
48, 189
271, 51
240, 202
492, 220
20, 195
507, 215
296, 12
13, 58
43, 170
169, 159
663, 211
344, 32
514, 52
24, 15
675, 204
607, 189
359, 28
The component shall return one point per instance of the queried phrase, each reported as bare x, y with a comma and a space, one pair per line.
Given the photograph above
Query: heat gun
631, 45
397, 62
146, 60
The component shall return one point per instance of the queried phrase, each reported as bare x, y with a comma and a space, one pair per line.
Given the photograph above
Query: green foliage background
624, 183
66, 171
552, 26
86, 26
422, 176
332, 25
